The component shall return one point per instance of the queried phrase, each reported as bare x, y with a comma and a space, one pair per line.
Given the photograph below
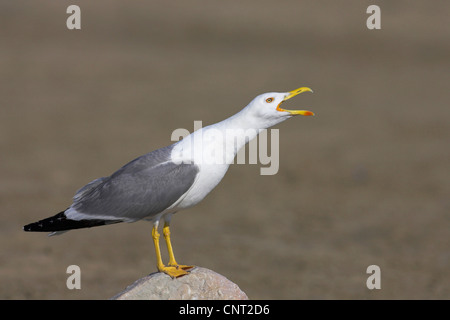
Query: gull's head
267, 106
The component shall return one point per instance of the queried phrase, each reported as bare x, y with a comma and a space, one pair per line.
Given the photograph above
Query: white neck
219, 143
238, 130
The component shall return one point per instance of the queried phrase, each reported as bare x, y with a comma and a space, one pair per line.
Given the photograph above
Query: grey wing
141, 189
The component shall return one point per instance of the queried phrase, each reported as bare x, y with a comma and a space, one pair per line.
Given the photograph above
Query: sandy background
366, 181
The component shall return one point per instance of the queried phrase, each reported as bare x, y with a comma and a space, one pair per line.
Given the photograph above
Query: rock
199, 284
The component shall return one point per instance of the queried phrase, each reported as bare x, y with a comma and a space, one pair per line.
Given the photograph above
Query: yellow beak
291, 94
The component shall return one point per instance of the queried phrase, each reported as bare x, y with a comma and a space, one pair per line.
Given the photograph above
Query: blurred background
366, 181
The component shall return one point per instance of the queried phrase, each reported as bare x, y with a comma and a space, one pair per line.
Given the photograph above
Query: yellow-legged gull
162, 182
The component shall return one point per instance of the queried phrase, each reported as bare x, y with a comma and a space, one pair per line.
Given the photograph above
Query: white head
266, 108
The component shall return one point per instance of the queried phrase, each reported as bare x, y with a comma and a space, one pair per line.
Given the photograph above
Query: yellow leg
172, 261
172, 271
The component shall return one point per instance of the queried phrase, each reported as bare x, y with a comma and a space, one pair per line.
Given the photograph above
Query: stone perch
199, 284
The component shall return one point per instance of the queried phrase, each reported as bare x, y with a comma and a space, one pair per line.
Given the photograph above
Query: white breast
208, 178
207, 149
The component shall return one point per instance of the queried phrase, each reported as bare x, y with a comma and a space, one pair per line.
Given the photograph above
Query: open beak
291, 94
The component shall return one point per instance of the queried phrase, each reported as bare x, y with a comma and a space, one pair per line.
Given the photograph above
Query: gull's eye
269, 100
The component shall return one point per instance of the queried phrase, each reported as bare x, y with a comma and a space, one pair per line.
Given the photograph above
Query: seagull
158, 184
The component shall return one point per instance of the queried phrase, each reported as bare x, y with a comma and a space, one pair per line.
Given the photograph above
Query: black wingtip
60, 222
